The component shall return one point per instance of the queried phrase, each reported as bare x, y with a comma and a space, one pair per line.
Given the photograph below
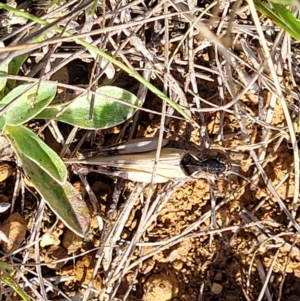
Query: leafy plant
41, 164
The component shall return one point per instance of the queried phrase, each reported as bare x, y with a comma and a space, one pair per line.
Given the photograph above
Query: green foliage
6, 276
63, 198
281, 16
41, 164
3, 70
109, 109
26, 101
28, 144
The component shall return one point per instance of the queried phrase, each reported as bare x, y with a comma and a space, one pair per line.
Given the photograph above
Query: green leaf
29, 104
292, 25
3, 70
39, 152
107, 111
8, 280
281, 16
14, 68
2, 123
64, 200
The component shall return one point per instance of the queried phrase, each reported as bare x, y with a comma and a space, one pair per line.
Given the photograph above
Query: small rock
5, 171
161, 287
177, 265
216, 288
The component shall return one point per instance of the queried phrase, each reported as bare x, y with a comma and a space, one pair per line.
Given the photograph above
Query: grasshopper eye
189, 164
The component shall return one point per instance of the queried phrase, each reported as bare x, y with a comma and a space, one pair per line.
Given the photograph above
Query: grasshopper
135, 161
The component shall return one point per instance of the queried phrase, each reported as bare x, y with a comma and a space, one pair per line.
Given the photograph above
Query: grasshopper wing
134, 146
169, 164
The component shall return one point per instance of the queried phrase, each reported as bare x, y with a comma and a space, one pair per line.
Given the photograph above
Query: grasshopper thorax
214, 162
